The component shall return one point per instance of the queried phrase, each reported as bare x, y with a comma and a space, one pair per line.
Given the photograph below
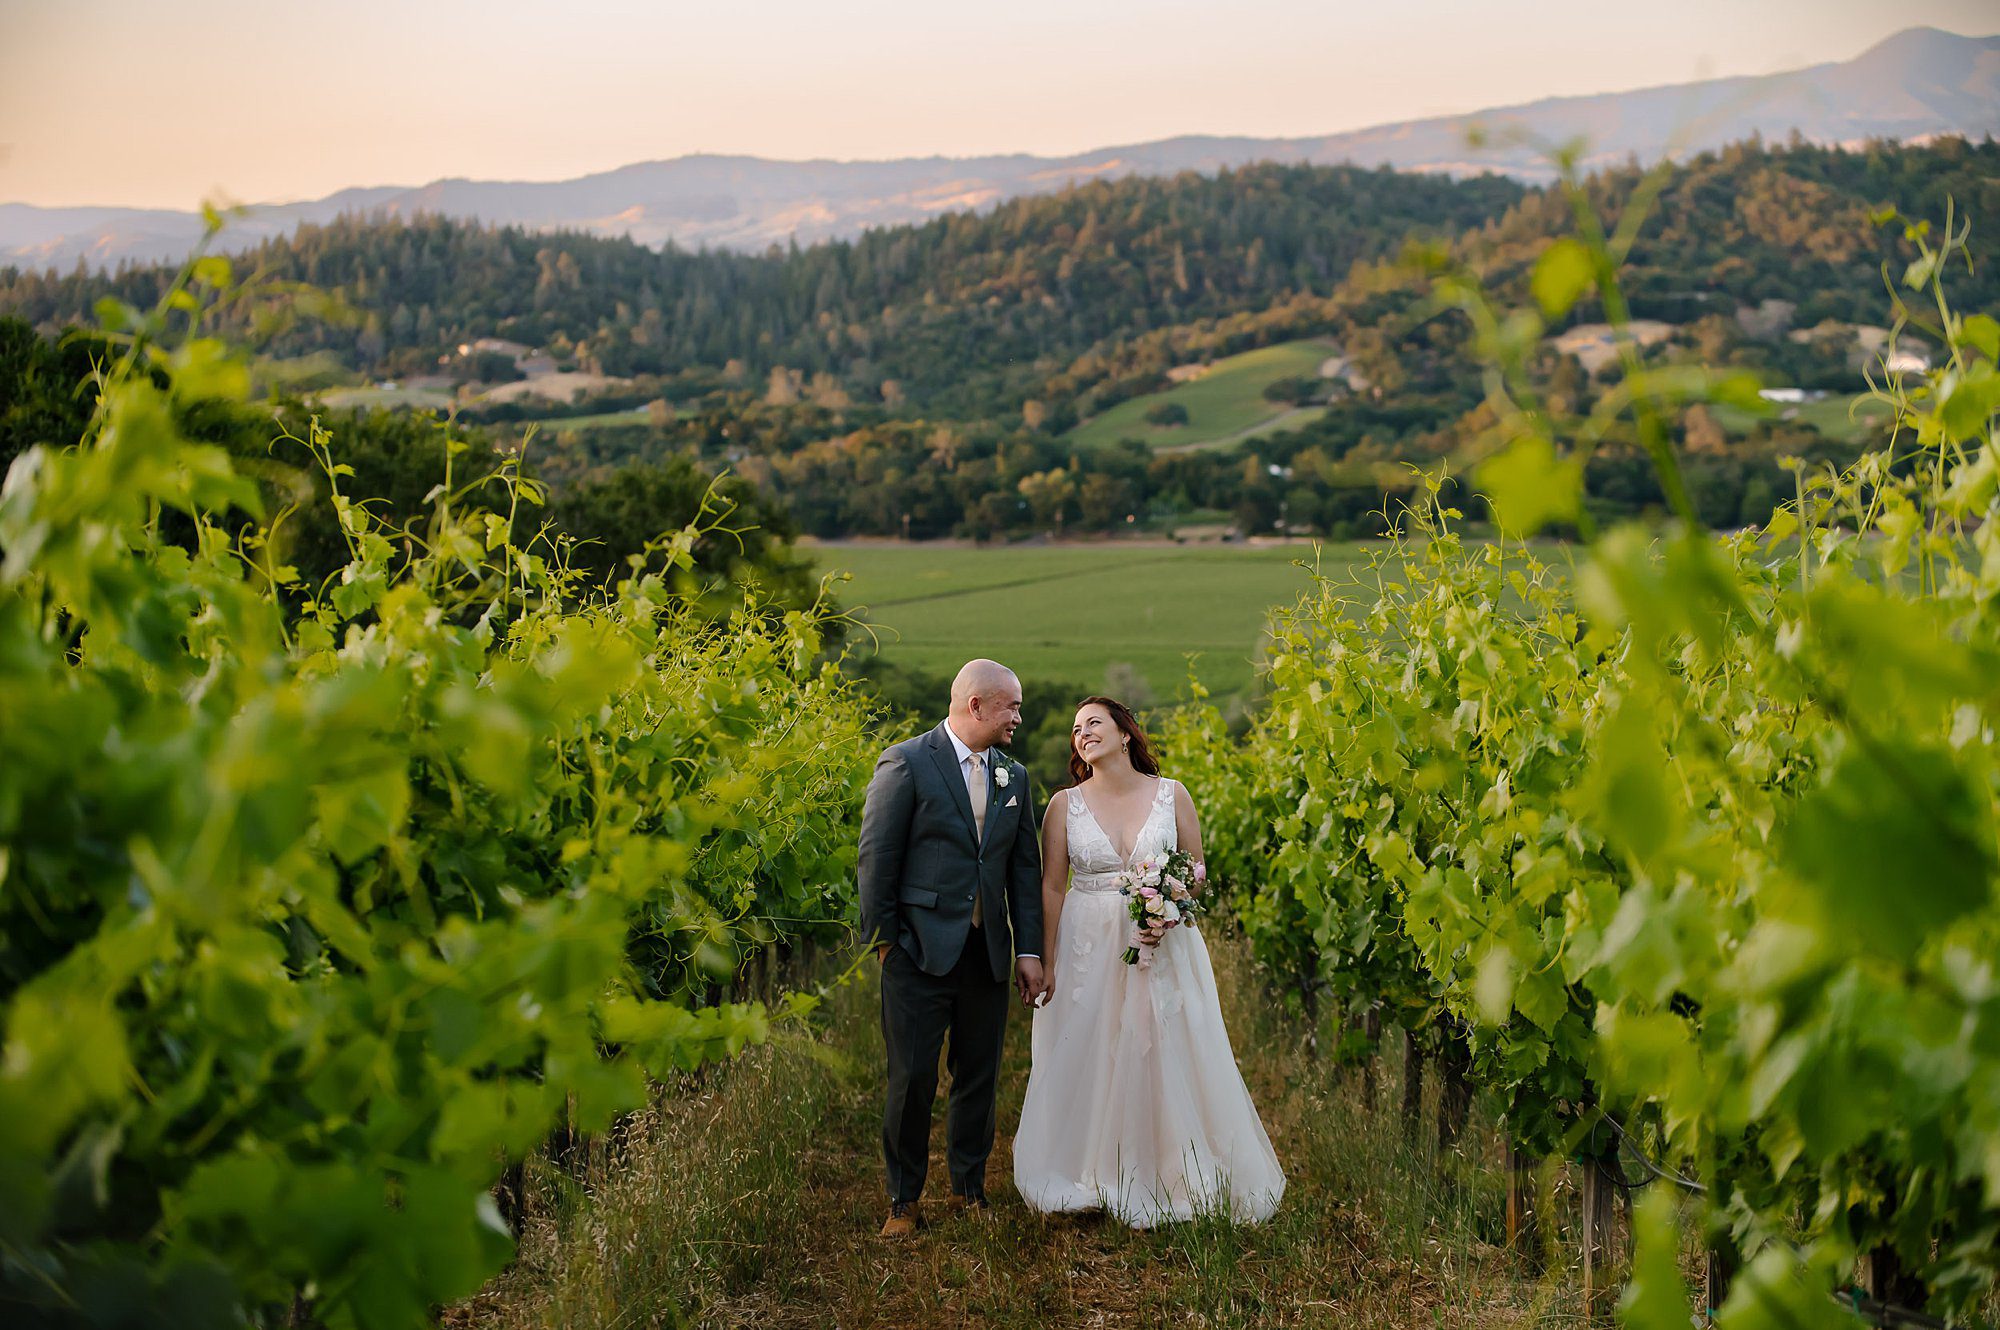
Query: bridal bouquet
1160, 891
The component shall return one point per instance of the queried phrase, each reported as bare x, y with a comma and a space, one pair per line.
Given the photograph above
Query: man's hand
881, 953
1030, 980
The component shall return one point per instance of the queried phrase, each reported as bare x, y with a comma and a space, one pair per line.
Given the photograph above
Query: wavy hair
1140, 751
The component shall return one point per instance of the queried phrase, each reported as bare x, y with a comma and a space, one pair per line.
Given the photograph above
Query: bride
1134, 1102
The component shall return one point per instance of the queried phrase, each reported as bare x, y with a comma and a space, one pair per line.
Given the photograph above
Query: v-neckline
1152, 805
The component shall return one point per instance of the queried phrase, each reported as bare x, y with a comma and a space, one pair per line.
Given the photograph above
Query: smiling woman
1103, 725
1135, 1106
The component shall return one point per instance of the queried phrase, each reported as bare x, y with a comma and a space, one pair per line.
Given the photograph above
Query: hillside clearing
1226, 401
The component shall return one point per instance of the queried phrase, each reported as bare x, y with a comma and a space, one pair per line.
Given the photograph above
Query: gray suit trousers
919, 1010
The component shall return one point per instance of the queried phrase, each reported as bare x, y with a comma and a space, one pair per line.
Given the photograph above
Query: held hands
1032, 981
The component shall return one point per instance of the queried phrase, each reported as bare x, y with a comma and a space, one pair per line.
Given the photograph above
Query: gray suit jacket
920, 863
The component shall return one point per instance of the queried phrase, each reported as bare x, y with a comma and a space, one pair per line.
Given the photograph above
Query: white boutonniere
1001, 777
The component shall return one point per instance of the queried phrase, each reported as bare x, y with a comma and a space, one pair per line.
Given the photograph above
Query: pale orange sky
165, 102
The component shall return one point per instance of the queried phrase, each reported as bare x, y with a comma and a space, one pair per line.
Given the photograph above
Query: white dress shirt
965, 755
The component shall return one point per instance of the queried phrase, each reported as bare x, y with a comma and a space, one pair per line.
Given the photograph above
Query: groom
951, 878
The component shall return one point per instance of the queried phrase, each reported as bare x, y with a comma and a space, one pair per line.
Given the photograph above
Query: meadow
624, 419
1071, 613
1845, 419
374, 397
1227, 404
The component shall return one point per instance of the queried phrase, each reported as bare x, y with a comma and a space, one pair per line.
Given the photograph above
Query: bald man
950, 875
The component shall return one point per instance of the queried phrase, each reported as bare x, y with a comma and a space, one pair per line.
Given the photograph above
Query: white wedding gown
1134, 1101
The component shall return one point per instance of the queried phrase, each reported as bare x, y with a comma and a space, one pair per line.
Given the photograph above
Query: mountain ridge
1918, 83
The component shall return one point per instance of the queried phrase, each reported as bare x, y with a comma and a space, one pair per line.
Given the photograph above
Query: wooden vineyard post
1891, 1282
1413, 1085
1718, 1269
510, 1194
1454, 1090
1888, 1280
1309, 1005
1524, 1237
1371, 1036
566, 1147
1600, 1260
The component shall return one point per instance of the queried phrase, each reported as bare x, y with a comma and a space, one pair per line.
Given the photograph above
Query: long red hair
1139, 751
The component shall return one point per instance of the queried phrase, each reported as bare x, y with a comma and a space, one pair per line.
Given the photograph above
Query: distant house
498, 346
1768, 319
1186, 373
1596, 345
1782, 394
1871, 347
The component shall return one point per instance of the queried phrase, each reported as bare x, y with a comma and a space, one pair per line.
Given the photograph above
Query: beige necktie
977, 789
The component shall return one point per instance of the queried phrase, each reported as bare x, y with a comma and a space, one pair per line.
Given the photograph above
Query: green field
375, 398
1068, 613
1224, 405
372, 398
602, 420
1830, 417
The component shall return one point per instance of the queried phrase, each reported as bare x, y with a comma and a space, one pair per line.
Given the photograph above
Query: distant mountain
1917, 84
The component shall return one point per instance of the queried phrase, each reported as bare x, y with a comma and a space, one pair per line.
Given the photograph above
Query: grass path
1293, 419
750, 1196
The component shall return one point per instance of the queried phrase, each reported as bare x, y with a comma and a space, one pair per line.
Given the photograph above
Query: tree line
396, 461
920, 380
975, 313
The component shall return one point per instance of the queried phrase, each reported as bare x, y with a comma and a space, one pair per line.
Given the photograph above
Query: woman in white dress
1135, 1105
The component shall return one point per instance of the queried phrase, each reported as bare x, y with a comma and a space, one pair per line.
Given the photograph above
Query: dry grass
751, 1196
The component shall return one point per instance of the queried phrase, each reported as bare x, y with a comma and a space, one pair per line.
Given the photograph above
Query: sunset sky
164, 102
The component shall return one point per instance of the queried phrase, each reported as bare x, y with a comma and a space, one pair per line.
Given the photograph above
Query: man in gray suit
951, 882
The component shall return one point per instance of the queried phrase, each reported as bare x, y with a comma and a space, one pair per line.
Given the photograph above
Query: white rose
1000, 777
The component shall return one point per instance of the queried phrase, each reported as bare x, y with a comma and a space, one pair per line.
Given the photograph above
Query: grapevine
323, 903
1694, 839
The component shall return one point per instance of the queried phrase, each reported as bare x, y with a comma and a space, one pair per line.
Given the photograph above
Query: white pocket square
1015, 800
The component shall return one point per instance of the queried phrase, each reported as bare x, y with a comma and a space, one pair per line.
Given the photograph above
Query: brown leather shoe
904, 1220
960, 1205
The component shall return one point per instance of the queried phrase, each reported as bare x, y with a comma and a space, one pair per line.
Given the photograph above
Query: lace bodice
1093, 860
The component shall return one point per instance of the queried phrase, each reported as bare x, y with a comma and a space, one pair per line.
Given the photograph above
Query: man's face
998, 711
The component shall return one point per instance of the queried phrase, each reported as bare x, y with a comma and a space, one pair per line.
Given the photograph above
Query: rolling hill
1919, 83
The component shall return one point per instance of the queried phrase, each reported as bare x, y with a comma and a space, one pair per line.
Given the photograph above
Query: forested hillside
973, 313
966, 313
921, 380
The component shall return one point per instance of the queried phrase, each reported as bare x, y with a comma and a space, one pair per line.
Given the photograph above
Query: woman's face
1095, 736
